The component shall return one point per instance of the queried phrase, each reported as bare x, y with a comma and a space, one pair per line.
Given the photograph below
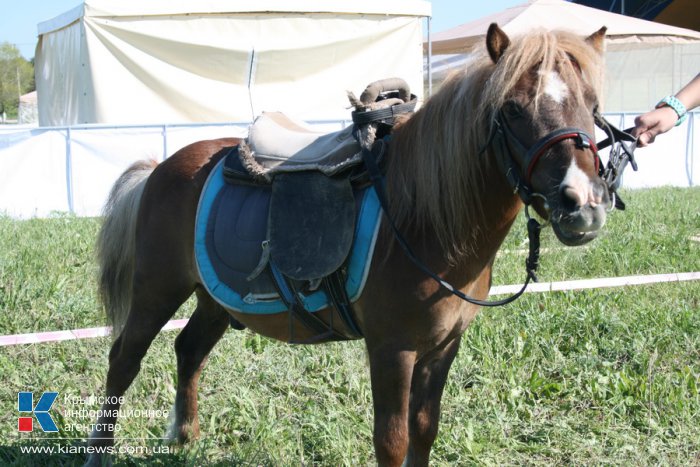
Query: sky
19, 19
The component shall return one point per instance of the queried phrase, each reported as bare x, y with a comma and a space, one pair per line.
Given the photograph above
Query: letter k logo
25, 403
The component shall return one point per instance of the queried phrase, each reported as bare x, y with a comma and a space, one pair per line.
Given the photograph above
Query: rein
622, 145
378, 180
620, 155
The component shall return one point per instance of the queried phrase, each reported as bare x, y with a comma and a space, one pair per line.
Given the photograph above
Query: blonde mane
436, 177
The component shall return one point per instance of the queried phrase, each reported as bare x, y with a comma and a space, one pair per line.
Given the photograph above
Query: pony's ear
597, 39
496, 42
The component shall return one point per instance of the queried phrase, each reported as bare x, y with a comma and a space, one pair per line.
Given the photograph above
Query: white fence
71, 169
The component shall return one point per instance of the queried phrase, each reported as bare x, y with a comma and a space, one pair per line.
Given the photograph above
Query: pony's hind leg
204, 329
151, 308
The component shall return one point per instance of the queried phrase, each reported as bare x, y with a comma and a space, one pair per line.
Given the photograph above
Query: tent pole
430, 60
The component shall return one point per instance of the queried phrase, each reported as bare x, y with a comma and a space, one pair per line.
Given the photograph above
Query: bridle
501, 134
622, 145
506, 143
508, 147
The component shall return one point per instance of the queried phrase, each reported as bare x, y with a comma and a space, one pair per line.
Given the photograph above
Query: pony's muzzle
580, 212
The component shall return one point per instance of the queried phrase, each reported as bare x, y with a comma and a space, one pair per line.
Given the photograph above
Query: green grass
597, 377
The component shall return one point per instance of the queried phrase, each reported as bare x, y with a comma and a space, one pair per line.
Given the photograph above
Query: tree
16, 77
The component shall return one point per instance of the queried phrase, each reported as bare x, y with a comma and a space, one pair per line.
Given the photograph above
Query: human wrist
676, 105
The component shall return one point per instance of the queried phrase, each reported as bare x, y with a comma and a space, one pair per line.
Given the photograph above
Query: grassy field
599, 377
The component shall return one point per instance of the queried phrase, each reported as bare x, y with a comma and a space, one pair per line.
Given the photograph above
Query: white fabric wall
33, 173
43, 170
61, 72
46, 170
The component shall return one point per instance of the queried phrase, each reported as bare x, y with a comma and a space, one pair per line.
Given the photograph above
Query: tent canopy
163, 61
559, 14
681, 13
644, 61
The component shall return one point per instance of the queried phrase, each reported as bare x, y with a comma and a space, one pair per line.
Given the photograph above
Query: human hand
653, 123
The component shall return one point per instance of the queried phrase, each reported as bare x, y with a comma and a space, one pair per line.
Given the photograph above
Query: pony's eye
574, 62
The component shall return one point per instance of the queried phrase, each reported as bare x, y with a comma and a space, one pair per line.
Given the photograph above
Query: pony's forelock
542, 50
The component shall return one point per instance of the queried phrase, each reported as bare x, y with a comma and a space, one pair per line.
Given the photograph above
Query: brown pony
452, 197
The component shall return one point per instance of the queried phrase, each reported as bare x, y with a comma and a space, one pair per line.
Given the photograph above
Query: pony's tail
116, 242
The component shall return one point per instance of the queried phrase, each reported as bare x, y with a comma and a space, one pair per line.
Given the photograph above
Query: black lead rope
378, 181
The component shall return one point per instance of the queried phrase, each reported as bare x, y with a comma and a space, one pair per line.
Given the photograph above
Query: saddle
276, 144
304, 197
312, 208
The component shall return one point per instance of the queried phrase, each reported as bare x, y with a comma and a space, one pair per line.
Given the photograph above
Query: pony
458, 172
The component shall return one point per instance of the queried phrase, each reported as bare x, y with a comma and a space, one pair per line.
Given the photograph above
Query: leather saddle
278, 144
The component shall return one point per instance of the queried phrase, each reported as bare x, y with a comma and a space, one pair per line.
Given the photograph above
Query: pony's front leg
429, 378
391, 367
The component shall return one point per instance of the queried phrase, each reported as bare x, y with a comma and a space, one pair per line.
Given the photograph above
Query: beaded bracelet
676, 105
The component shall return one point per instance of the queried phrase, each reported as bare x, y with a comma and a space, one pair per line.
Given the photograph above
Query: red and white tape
604, 282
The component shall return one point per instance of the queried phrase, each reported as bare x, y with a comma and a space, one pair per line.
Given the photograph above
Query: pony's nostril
570, 198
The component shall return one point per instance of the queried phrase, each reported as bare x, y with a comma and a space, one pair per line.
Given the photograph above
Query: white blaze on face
578, 186
555, 88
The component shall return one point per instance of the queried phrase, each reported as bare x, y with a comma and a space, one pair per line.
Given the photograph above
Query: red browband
551, 142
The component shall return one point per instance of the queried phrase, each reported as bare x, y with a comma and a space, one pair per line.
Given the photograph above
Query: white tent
644, 60
117, 62
27, 113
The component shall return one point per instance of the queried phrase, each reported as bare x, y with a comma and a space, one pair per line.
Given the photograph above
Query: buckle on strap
581, 143
386, 113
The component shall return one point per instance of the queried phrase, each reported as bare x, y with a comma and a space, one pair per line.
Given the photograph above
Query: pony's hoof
235, 324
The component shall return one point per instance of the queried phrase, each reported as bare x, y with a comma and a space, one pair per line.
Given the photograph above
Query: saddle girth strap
297, 310
335, 289
334, 285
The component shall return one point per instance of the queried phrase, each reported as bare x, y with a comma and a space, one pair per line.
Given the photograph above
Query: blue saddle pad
230, 228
